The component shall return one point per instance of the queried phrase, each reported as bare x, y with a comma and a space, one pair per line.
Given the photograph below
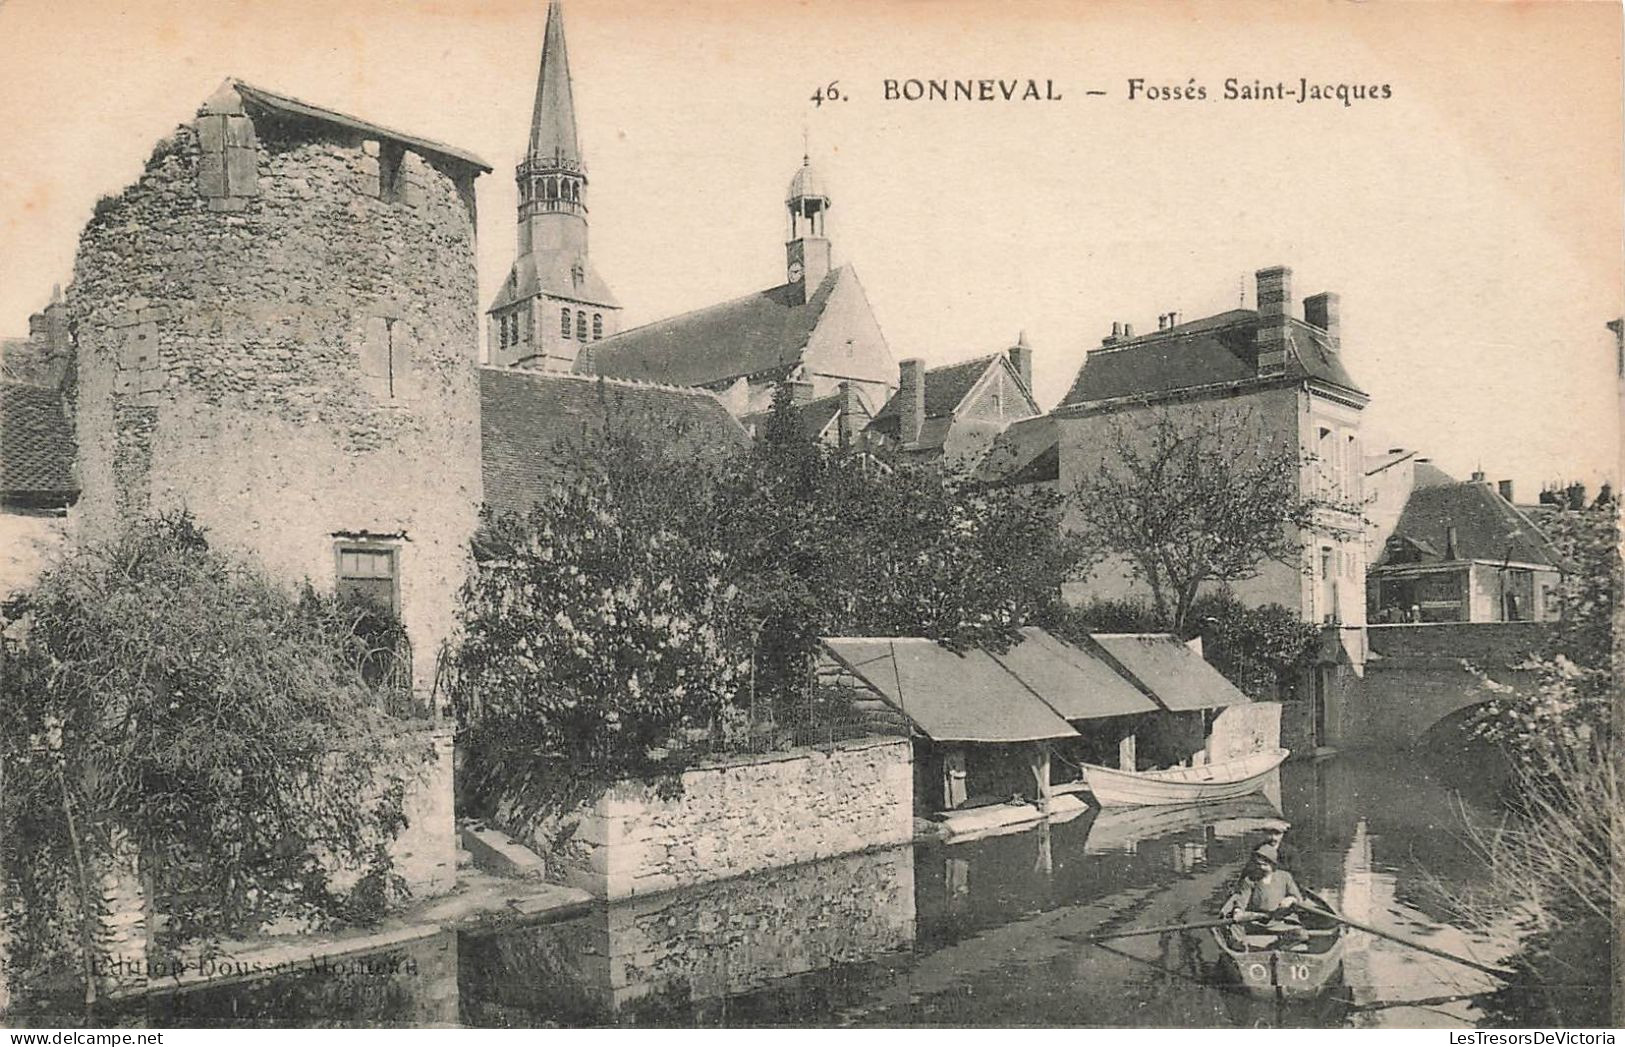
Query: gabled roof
258, 98
1423, 472
1487, 526
951, 697
762, 332
1028, 451
1030, 691
945, 389
1376, 463
534, 423
1216, 350
37, 448
1171, 670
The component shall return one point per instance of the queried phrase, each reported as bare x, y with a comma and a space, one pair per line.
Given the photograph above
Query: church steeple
552, 178
553, 123
553, 302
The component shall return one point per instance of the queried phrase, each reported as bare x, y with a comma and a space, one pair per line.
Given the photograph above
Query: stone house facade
1463, 552
1283, 378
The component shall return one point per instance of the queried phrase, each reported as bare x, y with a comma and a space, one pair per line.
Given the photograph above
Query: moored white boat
1176, 785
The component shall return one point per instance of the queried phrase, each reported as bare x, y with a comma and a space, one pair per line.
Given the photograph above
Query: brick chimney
1021, 360
1274, 310
1324, 310
801, 391
910, 400
849, 423
1505, 487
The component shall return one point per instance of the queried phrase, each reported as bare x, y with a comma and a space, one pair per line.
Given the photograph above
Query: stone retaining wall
737, 817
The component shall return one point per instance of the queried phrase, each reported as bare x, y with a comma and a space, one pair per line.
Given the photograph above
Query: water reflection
992, 932
663, 958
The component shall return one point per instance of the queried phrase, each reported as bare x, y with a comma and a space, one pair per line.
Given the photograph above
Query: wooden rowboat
1267, 965
1204, 784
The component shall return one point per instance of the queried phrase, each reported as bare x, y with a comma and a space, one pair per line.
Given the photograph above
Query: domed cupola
807, 253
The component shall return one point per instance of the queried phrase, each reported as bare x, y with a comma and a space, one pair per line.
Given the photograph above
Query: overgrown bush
158, 692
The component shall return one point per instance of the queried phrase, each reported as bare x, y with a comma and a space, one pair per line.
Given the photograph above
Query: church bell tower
553, 303
807, 255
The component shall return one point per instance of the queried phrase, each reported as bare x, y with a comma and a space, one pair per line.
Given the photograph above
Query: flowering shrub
601, 643
1570, 709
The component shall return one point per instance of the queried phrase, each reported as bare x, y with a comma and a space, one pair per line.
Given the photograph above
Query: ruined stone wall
289, 363
739, 817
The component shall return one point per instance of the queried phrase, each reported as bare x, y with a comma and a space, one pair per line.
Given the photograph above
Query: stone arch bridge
1418, 676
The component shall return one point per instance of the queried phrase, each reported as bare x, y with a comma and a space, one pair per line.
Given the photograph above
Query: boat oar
1147, 930
1430, 950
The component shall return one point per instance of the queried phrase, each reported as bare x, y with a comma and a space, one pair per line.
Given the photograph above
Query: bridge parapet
1501, 643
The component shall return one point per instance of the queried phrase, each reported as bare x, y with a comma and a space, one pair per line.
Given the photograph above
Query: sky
1471, 220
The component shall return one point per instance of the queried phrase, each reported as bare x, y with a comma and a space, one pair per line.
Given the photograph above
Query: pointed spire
553, 123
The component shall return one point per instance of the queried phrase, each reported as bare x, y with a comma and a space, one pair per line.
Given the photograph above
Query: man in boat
1267, 896
1286, 855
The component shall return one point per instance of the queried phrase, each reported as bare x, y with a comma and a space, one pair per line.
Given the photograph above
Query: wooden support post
1038, 757
1126, 755
953, 779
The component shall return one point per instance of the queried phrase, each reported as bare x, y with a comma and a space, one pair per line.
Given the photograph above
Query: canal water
982, 933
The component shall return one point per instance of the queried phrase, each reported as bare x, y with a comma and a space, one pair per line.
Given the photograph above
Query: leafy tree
159, 693
833, 543
1190, 498
1262, 650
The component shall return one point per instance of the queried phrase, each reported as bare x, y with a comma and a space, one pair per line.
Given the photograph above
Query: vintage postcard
582, 513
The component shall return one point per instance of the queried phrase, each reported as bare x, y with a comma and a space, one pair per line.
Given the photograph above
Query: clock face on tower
795, 271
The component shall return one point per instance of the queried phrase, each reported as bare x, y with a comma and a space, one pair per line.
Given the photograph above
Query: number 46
832, 93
